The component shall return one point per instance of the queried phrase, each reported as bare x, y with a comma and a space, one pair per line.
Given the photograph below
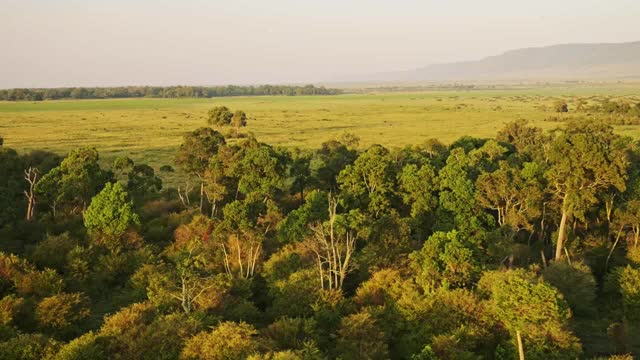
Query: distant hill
559, 62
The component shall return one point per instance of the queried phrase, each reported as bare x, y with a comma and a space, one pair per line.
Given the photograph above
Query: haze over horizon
198, 42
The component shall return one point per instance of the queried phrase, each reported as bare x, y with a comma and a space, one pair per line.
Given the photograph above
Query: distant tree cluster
161, 92
612, 107
608, 111
527, 243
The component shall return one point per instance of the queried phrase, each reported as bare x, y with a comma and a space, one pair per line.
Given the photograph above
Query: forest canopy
469, 250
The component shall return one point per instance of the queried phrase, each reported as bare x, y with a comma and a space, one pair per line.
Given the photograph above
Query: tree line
523, 245
35, 94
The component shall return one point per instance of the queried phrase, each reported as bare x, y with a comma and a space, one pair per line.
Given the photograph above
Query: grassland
150, 130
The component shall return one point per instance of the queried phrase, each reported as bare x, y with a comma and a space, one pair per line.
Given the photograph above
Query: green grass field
150, 130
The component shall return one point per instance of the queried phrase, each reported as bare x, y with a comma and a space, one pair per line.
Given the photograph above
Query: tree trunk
520, 347
561, 235
201, 196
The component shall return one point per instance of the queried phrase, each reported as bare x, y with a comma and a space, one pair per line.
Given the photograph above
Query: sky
54, 43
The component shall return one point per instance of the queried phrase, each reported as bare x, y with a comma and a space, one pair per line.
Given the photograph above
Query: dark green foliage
198, 147
295, 227
576, 283
72, 184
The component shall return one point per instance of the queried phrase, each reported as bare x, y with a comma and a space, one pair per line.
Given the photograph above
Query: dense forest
160, 92
474, 250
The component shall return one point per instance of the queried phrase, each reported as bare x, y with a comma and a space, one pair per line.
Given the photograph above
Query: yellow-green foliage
228, 341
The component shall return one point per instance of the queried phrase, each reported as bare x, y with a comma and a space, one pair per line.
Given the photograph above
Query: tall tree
195, 153
75, 181
585, 159
370, 182
333, 245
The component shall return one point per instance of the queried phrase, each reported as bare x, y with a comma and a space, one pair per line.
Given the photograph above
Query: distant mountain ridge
558, 62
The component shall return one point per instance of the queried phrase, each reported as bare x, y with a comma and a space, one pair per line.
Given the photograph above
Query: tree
445, 260
61, 311
576, 283
75, 181
295, 227
629, 282
370, 182
585, 159
242, 233
196, 151
300, 170
216, 183
11, 185
457, 197
219, 115
142, 180
228, 341
260, 170
526, 139
516, 197
193, 279
524, 304
333, 246
360, 338
29, 347
111, 212
417, 187
329, 161
239, 120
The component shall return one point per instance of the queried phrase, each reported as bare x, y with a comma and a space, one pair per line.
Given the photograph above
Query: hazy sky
48, 43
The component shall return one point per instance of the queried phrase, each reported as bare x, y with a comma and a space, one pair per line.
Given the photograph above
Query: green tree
111, 212
418, 185
523, 303
585, 159
332, 157
195, 153
360, 338
629, 280
445, 260
370, 182
295, 227
73, 183
516, 197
